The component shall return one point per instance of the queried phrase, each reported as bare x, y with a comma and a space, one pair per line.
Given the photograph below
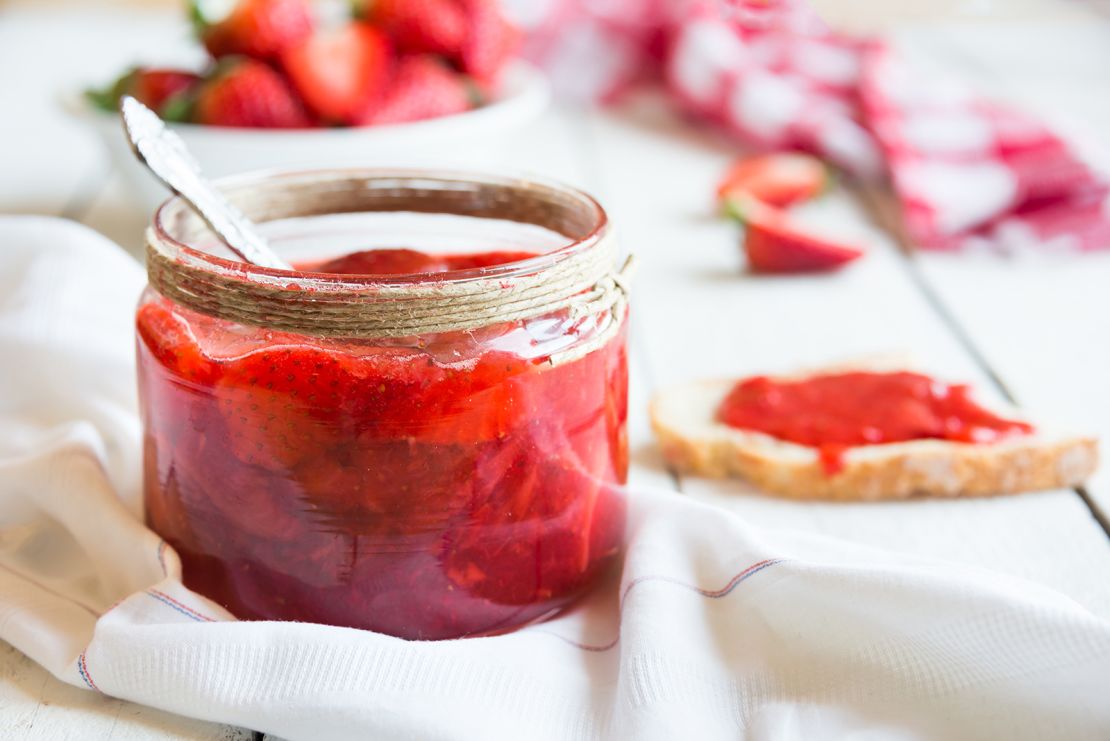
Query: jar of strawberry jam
419, 431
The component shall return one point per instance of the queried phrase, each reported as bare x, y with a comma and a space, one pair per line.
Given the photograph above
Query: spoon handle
165, 154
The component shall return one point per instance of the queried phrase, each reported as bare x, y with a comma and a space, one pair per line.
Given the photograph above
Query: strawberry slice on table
421, 26
262, 29
780, 179
165, 91
490, 40
774, 244
340, 73
245, 93
422, 88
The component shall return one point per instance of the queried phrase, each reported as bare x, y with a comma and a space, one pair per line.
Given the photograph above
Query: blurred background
1051, 57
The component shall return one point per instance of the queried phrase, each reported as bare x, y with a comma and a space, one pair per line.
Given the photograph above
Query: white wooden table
1036, 328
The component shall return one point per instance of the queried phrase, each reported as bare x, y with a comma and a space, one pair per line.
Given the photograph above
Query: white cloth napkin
714, 629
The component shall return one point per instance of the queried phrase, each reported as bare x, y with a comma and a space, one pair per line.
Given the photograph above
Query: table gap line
879, 207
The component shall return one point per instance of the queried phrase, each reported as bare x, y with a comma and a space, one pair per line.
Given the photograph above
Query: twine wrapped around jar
579, 279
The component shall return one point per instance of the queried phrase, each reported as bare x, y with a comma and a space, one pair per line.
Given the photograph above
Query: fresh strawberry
262, 29
490, 40
247, 93
482, 401
342, 72
284, 405
775, 245
422, 88
776, 179
165, 91
422, 26
382, 262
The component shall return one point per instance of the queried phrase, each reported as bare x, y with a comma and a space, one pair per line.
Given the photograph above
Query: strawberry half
340, 73
422, 26
262, 29
285, 405
775, 179
422, 88
774, 244
165, 91
247, 93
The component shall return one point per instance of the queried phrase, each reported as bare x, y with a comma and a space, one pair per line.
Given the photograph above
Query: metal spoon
165, 154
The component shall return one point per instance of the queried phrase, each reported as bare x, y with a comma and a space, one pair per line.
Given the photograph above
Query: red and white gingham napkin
966, 170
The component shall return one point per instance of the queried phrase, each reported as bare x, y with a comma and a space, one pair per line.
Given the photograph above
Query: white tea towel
713, 630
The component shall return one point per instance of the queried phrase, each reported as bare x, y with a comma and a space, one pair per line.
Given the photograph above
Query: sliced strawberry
529, 525
422, 88
262, 506
775, 245
477, 402
422, 26
403, 485
250, 94
342, 72
165, 91
490, 40
170, 339
407, 394
284, 405
775, 179
382, 262
262, 29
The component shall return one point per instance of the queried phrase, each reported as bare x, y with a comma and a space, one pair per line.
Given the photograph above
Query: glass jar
426, 455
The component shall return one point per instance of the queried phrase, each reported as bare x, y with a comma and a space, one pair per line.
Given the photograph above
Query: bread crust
938, 468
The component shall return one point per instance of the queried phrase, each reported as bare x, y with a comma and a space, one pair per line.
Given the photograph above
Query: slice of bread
693, 441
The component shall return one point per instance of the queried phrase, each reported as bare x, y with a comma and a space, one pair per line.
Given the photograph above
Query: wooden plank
702, 317
1040, 320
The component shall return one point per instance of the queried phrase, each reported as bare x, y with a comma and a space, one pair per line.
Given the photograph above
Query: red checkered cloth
966, 171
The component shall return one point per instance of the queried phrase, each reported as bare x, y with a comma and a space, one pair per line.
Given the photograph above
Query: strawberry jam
835, 412
433, 487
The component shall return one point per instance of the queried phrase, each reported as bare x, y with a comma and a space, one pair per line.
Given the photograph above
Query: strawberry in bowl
393, 82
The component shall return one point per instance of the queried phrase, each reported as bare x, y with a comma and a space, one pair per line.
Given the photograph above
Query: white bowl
463, 139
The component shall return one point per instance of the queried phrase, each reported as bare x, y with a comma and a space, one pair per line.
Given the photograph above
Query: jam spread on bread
836, 411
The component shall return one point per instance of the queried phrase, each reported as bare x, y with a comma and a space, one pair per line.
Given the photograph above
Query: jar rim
524, 184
